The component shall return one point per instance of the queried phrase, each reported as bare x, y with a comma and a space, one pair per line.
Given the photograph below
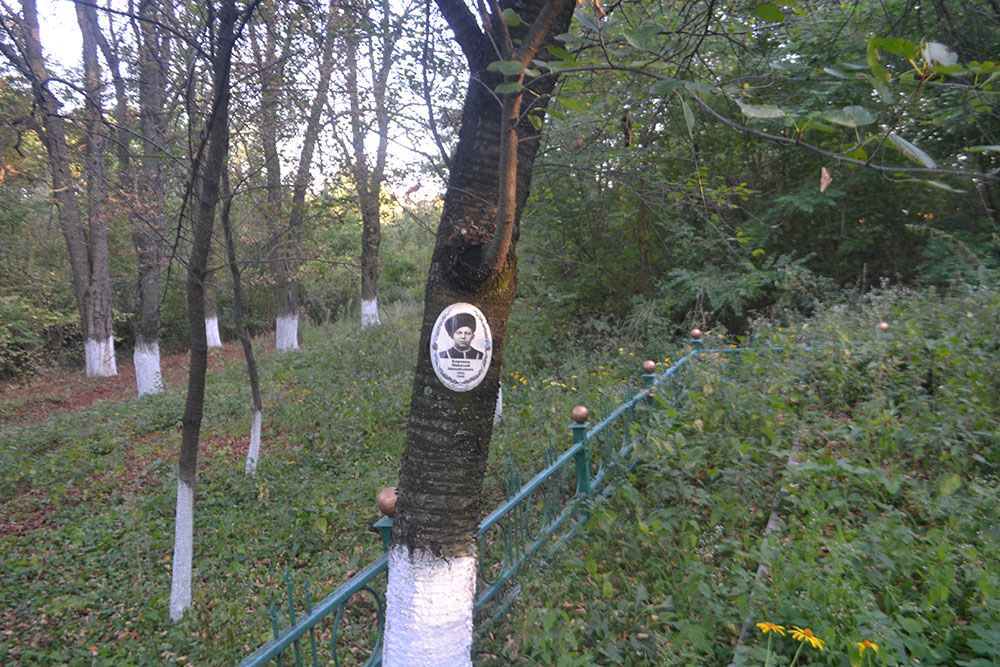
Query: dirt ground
40, 397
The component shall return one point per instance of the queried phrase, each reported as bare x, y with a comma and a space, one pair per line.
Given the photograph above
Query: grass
878, 453
90, 496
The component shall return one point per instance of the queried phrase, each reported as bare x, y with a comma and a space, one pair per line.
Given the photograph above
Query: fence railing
540, 515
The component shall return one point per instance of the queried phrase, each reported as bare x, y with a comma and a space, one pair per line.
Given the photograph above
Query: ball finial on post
648, 366
883, 326
386, 501
696, 333
580, 414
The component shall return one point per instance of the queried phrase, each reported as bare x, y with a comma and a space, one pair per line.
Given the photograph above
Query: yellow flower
806, 635
866, 644
766, 627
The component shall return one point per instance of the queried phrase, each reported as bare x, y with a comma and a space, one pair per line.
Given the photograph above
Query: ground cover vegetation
694, 164
861, 476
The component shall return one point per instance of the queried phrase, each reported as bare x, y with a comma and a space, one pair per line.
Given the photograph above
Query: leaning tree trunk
206, 174
253, 451
432, 557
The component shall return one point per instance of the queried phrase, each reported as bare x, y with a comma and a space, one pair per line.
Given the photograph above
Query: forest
233, 234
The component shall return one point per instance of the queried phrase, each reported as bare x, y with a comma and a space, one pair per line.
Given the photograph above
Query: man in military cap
461, 328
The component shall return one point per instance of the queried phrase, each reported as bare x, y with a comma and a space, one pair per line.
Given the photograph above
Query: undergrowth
878, 451
874, 458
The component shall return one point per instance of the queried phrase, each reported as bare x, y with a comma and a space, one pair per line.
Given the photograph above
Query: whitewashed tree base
286, 333
428, 619
254, 451
180, 588
369, 314
100, 357
148, 378
212, 332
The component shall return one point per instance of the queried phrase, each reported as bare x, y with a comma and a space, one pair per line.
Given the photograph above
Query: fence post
386, 503
696, 339
579, 428
649, 379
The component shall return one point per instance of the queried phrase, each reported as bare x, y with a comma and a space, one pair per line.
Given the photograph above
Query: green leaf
664, 87
880, 87
897, 45
990, 148
506, 67
760, 110
699, 86
911, 151
508, 87
852, 116
834, 72
570, 103
588, 22
536, 121
560, 53
769, 12
511, 18
688, 117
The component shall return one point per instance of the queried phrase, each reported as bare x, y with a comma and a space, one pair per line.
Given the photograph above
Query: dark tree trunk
238, 320
474, 261
206, 176
149, 209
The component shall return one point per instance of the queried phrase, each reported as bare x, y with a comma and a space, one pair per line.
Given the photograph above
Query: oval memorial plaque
461, 347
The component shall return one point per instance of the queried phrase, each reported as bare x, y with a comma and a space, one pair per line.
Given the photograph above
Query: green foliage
878, 454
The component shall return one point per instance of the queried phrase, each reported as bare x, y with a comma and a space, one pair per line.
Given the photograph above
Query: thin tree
432, 558
208, 165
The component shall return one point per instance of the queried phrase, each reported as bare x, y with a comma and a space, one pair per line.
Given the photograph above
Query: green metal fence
345, 627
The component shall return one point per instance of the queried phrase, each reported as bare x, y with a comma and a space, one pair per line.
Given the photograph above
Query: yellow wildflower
866, 644
806, 635
766, 627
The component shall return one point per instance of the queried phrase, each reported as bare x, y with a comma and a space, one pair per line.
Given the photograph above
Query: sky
59, 32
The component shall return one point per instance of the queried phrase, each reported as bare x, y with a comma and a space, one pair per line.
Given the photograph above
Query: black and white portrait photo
461, 346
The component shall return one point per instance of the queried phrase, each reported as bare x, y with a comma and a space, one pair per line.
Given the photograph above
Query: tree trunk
89, 255
368, 178
99, 344
253, 451
149, 217
432, 558
206, 175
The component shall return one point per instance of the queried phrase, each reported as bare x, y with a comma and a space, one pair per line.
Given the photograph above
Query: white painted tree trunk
100, 357
180, 587
254, 452
428, 620
212, 332
286, 333
148, 378
369, 313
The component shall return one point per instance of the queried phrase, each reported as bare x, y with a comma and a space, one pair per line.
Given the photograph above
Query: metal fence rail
543, 513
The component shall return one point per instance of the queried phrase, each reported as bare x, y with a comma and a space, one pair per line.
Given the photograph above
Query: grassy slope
879, 454
89, 496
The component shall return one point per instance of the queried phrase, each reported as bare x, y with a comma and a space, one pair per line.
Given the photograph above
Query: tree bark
88, 248
206, 173
99, 345
253, 451
368, 178
149, 210
432, 556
